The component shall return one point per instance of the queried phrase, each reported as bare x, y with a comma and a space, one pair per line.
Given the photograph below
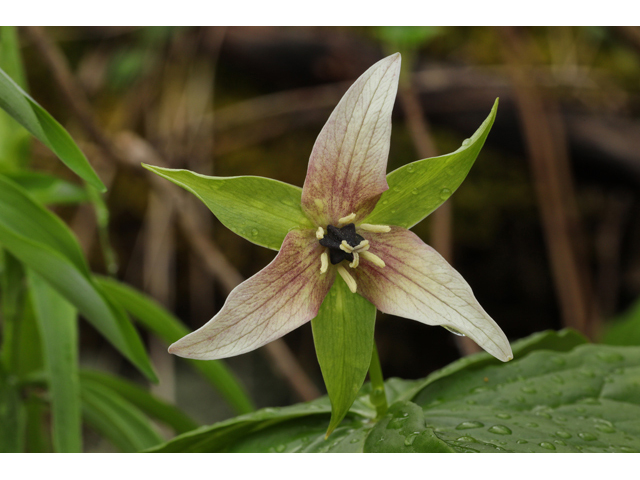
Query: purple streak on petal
347, 168
285, 294
418, 283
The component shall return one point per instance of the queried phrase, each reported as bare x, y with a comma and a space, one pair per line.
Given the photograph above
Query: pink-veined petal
348, 164
282, 296
419, 284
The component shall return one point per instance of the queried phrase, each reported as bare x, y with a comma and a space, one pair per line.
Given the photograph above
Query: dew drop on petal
466, 142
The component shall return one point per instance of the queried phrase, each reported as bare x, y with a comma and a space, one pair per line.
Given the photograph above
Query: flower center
344, 243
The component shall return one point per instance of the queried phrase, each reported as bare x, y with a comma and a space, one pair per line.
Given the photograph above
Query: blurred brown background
545, 228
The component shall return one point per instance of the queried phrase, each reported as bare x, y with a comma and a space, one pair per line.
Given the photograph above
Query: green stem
378, 395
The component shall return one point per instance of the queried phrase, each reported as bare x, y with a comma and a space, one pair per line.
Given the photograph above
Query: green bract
344, 247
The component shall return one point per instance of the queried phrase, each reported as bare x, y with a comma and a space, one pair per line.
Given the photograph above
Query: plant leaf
258, 209
625, 329
57, 320
41, 241
158, 320
12, 415
403, 430
14, 139
117, 419
47, 189
343, 336
142, 399
418, 188
26, 111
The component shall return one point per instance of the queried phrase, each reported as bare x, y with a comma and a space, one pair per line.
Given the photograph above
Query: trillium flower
345, 228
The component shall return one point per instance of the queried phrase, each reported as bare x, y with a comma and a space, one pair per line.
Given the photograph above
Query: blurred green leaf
408, 38
158, 320
418, 188
116, 419
624, 330
36, 438
14, 139
12, 415
57, 320
41, 241
258, 209
142, 399
102, 217
47, 189
343, 337
26, 111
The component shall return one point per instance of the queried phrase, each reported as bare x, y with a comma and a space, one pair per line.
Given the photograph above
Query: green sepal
258, 209
26, 111
343, 336
418, 188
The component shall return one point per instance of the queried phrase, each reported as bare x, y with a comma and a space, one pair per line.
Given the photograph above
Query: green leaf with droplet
343, 336
26, 111
258, 209
418, 188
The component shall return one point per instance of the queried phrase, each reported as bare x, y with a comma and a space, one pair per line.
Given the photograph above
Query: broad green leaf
142, 399
624, 330
158, 320
47, 189
14, 139
403, 430
258, 209
562, 341
418, 188
586, 400
26, 111
57, 320
41, 241
343, 336
12, 415
117, 419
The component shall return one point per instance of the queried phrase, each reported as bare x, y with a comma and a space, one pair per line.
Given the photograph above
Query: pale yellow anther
319, 204
345, 247
363, 246
348, 279
375, 228
356, 260
324, 262
320, 233
348, 219
370, 257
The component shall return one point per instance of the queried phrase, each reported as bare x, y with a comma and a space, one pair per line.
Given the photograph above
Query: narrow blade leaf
26, 111
58, 329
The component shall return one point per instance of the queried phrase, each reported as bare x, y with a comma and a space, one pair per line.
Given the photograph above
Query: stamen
356, 260
347, 219
344, 246
370, 257
348, 279
375, 228
320, 233
363, 246
324, 262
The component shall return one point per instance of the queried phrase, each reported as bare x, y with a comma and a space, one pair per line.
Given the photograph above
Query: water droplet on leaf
466, 142
500, 430
468, 425
589, 437
445, 193
610, 357
547, 445
254, 232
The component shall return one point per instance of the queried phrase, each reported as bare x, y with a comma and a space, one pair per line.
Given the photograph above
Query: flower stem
378, 395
